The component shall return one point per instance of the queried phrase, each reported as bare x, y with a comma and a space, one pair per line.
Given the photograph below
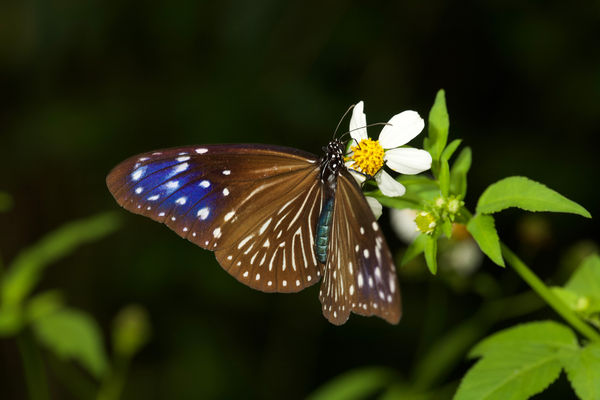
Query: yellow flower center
367, 157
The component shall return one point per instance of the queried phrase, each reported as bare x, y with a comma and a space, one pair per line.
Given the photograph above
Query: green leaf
484, 232
131, 331
418, 189
438, 125
43, 304
72, 334
394, 202
444, 178
517, 362
447, 228
521, 192
541, 333
450, 149
583, 370
431, 253
458, 173
11, 321
586, 279
356, 384
414, 249
28, 266
568, 297
6, 201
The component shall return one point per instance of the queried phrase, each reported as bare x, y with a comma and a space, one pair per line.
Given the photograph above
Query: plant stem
35, 375
545, 293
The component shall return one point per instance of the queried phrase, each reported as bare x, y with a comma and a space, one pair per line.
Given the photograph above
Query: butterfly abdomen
323, 231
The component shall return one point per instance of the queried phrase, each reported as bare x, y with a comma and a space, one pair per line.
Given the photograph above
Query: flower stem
545, 293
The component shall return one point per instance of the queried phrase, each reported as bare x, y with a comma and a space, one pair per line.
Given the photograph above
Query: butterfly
278, 219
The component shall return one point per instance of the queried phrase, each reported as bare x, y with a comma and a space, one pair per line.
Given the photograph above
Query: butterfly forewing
256, 206
360, 275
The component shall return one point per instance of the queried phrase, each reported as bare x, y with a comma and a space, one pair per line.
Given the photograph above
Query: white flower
369, 156
403, 224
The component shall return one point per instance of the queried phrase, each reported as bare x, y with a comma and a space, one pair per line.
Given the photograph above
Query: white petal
376, 206
403, 223
401, 129
408, 160
388, 185
360, 178
358, 123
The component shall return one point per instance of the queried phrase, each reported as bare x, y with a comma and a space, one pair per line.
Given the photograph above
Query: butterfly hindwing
360, 275
273, 244
227, 199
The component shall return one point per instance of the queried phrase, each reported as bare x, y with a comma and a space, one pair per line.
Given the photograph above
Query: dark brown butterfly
278, 220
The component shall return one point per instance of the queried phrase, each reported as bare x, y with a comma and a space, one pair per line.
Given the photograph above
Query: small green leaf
26, 269
394, 202
518, 362
583, 370
6, 201
438, 125
414, 249
484, 232
566, 296
43, 304
431, 253
458, 173
72, 334
521, 192
586, 279
447, 228
11, 321
356, 384
444, 178
450, 149
131, 331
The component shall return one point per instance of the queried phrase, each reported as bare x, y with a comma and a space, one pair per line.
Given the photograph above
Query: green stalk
545, 293
35, 375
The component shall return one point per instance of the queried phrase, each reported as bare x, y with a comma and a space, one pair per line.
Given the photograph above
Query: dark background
85, 84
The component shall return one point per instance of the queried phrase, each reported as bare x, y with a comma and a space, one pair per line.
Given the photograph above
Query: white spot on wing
226, 172
183, 158
203, 213
181, 200
139, 190
244, 241
204, 184
229, 215
154, 197
217, 233
264, 226
172, 184
201, 150
180, 168
225, 192
138, 173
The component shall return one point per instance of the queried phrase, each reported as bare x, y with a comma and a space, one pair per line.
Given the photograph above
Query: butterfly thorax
331, 165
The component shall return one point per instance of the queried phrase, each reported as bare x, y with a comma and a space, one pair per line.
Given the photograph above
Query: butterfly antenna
341, 119
362, 127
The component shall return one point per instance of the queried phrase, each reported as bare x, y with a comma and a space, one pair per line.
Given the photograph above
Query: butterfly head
333, 160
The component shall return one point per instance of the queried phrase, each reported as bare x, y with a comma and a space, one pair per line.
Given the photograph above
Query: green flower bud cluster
440, 212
